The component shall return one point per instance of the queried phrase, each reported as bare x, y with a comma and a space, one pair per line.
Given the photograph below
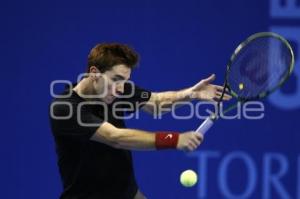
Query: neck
84, 88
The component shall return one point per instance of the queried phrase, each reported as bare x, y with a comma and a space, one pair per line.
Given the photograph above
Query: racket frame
208, 122
245, 43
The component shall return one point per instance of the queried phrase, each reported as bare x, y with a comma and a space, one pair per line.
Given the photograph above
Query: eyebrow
119, 77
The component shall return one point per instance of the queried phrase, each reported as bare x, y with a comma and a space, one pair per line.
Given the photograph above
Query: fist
189, 141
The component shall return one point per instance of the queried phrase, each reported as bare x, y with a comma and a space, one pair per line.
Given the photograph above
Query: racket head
259, 66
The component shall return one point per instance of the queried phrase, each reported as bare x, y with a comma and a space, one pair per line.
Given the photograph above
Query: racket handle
205, 126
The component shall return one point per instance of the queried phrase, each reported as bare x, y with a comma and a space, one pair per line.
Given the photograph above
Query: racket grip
205, 126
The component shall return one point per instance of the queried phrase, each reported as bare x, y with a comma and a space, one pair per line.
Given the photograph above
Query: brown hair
105, 56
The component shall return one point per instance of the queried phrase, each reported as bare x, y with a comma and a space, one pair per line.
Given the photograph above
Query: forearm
134, 139
171, 97
164, 101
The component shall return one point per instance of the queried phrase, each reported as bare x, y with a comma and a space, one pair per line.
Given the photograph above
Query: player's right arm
133, 139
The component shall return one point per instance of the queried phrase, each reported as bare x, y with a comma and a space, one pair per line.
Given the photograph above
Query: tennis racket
258, 66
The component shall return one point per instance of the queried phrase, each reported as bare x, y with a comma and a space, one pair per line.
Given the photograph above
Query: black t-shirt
89, 169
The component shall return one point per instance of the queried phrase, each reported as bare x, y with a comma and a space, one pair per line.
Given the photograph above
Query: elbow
112, 136
121, 139
114, 139
116, 146
109, 135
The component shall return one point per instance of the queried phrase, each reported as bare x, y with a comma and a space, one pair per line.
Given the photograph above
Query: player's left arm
161, 102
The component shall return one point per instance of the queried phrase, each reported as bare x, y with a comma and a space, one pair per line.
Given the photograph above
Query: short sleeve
76, 120
134, 95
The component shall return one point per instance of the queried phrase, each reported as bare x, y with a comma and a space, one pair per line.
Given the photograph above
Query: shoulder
64, 103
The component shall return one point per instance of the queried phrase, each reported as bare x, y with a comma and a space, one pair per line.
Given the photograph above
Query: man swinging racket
92, 143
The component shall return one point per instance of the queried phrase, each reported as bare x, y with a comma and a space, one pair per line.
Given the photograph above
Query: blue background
180, 43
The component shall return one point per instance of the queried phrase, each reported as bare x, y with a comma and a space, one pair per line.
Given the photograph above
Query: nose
120, 88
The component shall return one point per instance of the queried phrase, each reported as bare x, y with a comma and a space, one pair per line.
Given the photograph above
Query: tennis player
92, 142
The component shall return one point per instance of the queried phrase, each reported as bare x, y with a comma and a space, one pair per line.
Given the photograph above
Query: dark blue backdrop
180, 42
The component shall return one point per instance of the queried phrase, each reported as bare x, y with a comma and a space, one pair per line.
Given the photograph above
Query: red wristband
166, 140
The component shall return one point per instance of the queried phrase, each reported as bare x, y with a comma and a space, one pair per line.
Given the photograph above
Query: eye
115, 79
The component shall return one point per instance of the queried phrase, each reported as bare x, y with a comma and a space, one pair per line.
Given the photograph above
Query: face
111, 83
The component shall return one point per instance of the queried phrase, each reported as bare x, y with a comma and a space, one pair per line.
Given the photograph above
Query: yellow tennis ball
188, 178
241, 86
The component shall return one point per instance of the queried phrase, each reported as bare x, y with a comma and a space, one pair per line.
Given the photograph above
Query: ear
94, 73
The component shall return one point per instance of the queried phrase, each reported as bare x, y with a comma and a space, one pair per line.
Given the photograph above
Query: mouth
111, 97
